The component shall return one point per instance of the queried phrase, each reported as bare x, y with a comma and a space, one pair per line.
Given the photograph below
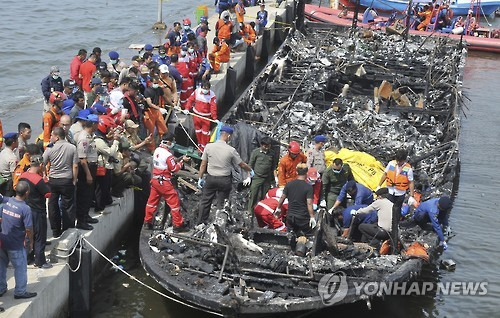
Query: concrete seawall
52, 285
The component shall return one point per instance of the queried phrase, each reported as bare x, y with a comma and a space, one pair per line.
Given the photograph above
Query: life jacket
399, 181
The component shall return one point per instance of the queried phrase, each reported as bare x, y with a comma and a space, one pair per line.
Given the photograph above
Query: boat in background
344, 18
459, 7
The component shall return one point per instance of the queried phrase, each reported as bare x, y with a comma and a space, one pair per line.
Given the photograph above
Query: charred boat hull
232, 268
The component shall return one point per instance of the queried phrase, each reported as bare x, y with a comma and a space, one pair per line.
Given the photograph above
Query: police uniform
86, 149
220, 158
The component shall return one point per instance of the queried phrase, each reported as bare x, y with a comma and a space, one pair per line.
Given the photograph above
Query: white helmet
164, 69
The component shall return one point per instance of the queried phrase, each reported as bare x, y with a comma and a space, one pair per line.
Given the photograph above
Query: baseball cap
130, 124
69, 83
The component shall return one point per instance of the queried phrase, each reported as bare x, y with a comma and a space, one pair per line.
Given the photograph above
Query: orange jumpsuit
240, 12
248, 34
287, 168
220, 54
50, 121
224, 30
428, 16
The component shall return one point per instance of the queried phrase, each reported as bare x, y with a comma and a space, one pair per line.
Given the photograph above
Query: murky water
41, 33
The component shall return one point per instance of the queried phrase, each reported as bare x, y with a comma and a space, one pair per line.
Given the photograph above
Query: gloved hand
377, 188
354, 212
177, 108
201, 183
330, 211
251, 173
322, 204
412, 201
247, 181
163, 111
217, 122
315, 207
312, 223
277, 212
185, 111
444, 245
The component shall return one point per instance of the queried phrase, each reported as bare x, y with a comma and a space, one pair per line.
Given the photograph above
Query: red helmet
294, 147
105, 123
312, 175
56, 97
186, 21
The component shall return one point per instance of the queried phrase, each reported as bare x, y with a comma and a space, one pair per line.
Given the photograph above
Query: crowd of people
101, 127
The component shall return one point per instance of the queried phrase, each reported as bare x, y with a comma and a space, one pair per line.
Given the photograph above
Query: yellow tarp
365, 168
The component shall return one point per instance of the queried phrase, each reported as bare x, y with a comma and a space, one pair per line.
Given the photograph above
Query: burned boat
365, 90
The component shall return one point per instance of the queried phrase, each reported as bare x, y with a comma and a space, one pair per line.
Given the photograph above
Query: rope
79, 242
187, 134
149, 287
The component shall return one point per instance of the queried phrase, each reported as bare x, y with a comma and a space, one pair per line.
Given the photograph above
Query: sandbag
366, 169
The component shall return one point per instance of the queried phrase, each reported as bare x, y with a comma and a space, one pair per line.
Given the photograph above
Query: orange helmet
56, 97
294, 148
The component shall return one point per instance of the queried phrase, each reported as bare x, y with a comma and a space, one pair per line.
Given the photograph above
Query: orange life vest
399, 181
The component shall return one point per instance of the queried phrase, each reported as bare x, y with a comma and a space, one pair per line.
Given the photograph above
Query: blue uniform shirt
364, 218
16, 218
262, 17
161, 60
363, 194
428, 211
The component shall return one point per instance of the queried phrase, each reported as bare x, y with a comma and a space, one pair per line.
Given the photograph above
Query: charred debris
367, 91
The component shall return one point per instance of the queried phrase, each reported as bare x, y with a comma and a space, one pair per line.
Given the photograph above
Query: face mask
337, 171
155, 85
102, 98
113, 61
162, 55
191, 51
186, 27
171, 145
183, 53
55, 76
204, 91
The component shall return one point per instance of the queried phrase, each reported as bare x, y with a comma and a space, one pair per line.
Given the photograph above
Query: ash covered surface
323, 82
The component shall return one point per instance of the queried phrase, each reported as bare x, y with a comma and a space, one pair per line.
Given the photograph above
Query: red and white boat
340, 17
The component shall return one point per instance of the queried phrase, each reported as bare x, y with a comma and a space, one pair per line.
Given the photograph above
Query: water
40, 34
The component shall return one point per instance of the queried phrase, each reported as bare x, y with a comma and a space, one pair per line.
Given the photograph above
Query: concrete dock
52, 285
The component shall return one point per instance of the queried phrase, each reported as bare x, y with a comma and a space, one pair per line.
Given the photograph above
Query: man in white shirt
374, 233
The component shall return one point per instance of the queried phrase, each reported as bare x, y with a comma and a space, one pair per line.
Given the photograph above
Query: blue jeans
19, 262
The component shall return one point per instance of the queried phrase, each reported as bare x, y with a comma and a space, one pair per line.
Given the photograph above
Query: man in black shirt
153, 114
300, 217
39, 192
